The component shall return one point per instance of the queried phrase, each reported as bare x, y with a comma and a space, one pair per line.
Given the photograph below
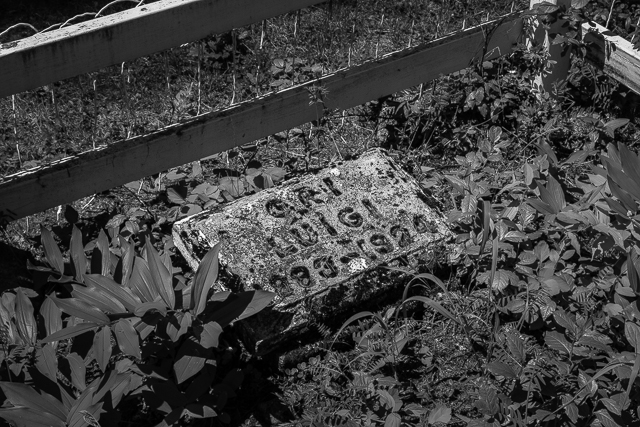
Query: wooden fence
38, 60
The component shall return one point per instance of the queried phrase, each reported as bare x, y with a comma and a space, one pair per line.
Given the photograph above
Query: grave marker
310, 236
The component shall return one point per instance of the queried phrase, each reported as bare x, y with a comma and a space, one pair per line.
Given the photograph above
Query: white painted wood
56, 55
98, 170
613, 54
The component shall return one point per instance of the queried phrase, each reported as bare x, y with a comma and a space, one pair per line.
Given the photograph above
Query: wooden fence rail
124, 161
56, 55
120, 37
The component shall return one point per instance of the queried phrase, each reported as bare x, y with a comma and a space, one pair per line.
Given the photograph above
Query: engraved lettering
350, 218
402, 235
363, 248
422, 225
276, 208
329, 183
301, 276
372, 209
332, 231
326, 267
346, 259
280, 250
381, 243
305, 235
281, 285
307, 195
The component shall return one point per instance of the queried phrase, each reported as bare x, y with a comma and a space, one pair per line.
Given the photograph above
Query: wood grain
98, 170
56, 55
613, 54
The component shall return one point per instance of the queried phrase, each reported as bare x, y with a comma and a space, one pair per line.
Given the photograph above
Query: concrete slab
308, 239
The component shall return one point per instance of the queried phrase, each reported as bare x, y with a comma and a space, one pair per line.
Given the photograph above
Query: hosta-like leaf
632, 271
189, 360
46, 361
127, 338
102, 347
70, 332
158, 306
630, 163
51, 250
440, 414
204, 279
52, 316
81, 309
78, 257
162, 277
78, 371
141, 281
26, 417
128, 257
23, 395
240, 306
111, 288
632, 332
179, 325
25, 321
210, 333
622, 179
101, 257
96, 298
548, 198
83, 406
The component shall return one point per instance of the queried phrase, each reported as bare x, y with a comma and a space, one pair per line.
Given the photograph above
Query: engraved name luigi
376, 235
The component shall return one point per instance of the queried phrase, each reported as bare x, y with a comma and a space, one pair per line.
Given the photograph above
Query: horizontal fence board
124, 161
613, 54
56, 55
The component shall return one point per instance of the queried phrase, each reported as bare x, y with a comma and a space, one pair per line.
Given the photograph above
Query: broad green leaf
622, 179
386, 399
25, 417
558, 342
197, 410
556, 191
102, 347
111, 288
630, 163
627, 201
541, 206
209, 335
78, 371
605, 418
127, 338
46, 361
51, 250
179, 325
440, 414
392, 420
501, 369
158, 306
162, 278
516, 347
78, 257
632, 271
81, 309
128, 256
70, 332
98, 299
141, 281
25, 321
205, 277
23, 395
83, 406
548, 198
189, 361
632, 332
240, 306
101, 256
611, 405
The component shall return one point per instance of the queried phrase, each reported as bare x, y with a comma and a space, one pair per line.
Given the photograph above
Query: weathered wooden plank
613, 54
56, 55
98, 170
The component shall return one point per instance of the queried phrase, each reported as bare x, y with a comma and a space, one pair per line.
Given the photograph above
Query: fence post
559, 70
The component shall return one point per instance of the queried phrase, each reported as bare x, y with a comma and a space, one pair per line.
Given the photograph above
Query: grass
537, 319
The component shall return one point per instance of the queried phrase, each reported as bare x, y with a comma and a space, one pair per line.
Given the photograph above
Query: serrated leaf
25, 321
127, 338
81, 309
516, 347
210, 333
440, 414
51, 250
558, 342
25, 417
162, 277
501, 369
102, 347
46, 361
205, 277
70, 332
78, 257
23, 395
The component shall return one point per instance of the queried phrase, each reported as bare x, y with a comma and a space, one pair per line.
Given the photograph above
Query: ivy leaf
440, 414
127, 338
205, 277
558, 342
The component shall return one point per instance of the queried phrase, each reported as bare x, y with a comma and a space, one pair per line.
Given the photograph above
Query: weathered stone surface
307, 239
